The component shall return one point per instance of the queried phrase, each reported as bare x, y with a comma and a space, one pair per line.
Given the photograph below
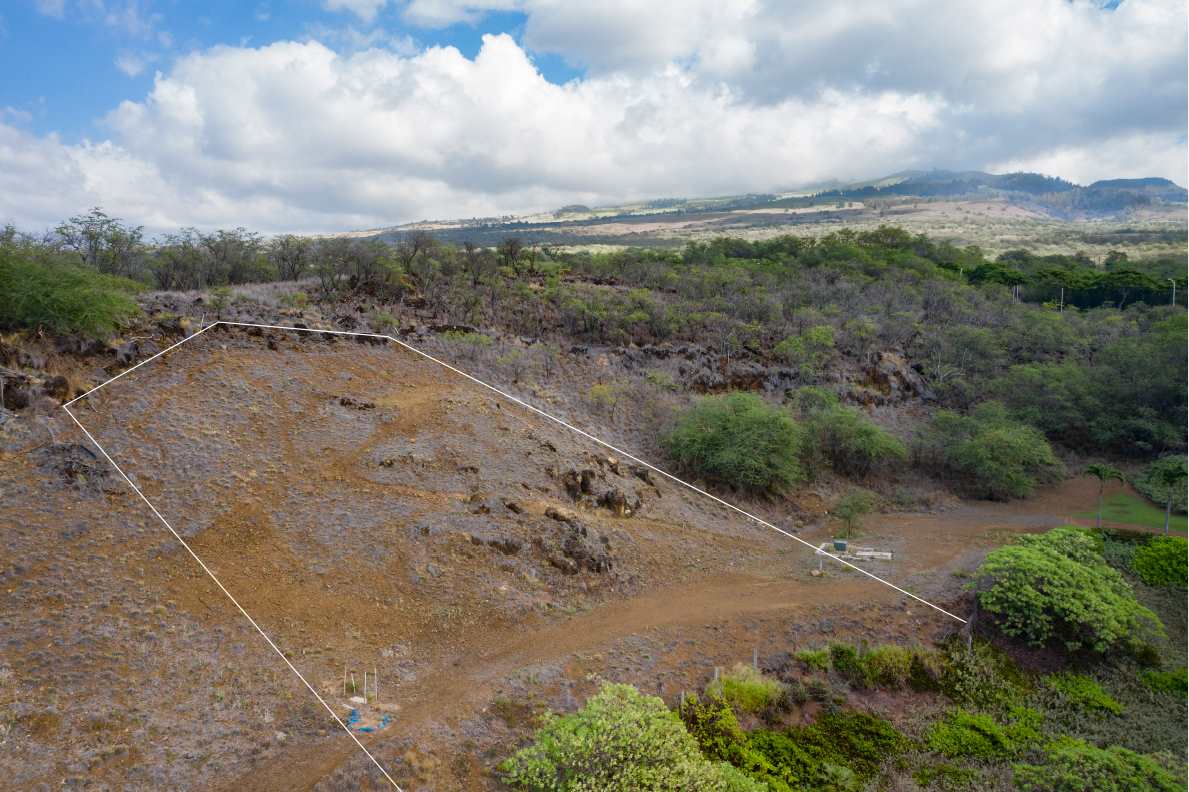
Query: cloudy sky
318, 115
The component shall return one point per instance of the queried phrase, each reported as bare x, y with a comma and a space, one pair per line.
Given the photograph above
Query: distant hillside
1051, 194
924, 200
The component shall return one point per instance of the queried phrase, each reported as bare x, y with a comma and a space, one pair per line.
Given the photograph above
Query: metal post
1174, 290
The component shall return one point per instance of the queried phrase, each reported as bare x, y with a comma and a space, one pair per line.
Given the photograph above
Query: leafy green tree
998, 457
1167, 476
620, 741
1060, 399
1056, 586
1103, 473
851, 508
850, 441
739, 440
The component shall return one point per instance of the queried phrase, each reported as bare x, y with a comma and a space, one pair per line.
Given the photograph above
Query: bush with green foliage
808, 352
946, 776
981, 676
850, 442
62, 298
886, 666
963, 734
738, 440
1174, 682
1161, 561
1084, 692
714, 727
889, 666
992, 454
846, 662
841, 751
620, 741
1072, 765
1056, 586
747, 689
814, 659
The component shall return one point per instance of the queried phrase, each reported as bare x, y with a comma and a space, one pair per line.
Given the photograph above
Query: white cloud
130, 18
133, 64
51, 8
366, 10
441, 13
1124, 157
678, 99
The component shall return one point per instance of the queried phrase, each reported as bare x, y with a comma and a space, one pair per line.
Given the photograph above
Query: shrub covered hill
978, 368
815, 377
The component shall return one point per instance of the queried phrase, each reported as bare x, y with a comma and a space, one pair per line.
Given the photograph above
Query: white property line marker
478, 381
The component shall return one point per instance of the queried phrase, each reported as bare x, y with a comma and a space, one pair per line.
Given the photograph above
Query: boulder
896, 380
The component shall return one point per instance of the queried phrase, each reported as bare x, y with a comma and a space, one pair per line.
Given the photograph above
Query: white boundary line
477, 381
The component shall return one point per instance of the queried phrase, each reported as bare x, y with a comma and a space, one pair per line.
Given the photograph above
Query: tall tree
1103, 473
1169, 475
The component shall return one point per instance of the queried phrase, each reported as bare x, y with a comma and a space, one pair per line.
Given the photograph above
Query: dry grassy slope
350, 496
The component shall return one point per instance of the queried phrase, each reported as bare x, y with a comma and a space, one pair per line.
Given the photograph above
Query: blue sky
323, 115
69, 77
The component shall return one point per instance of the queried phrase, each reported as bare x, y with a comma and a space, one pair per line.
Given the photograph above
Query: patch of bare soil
375, 512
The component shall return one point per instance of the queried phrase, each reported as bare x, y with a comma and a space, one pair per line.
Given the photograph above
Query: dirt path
466, 683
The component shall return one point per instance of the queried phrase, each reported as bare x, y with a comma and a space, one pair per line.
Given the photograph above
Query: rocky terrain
376, 512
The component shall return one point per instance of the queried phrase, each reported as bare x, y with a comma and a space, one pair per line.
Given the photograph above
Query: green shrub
739, 440
889, 666
809, 351
850, 442
712, 724
845, 661
946, 776
299, 299
1084, 692
838, 752
619, 741
63, 298
467, 338
747, 689
383, 321
1174, 682
1161, 561
1056, 586
661, 379
815, 659
1072, 765
972, 735
980, 676
862, 740
926, 670
996, 456
794, 766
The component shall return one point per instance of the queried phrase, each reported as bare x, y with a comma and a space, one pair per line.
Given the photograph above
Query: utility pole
1174, 290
